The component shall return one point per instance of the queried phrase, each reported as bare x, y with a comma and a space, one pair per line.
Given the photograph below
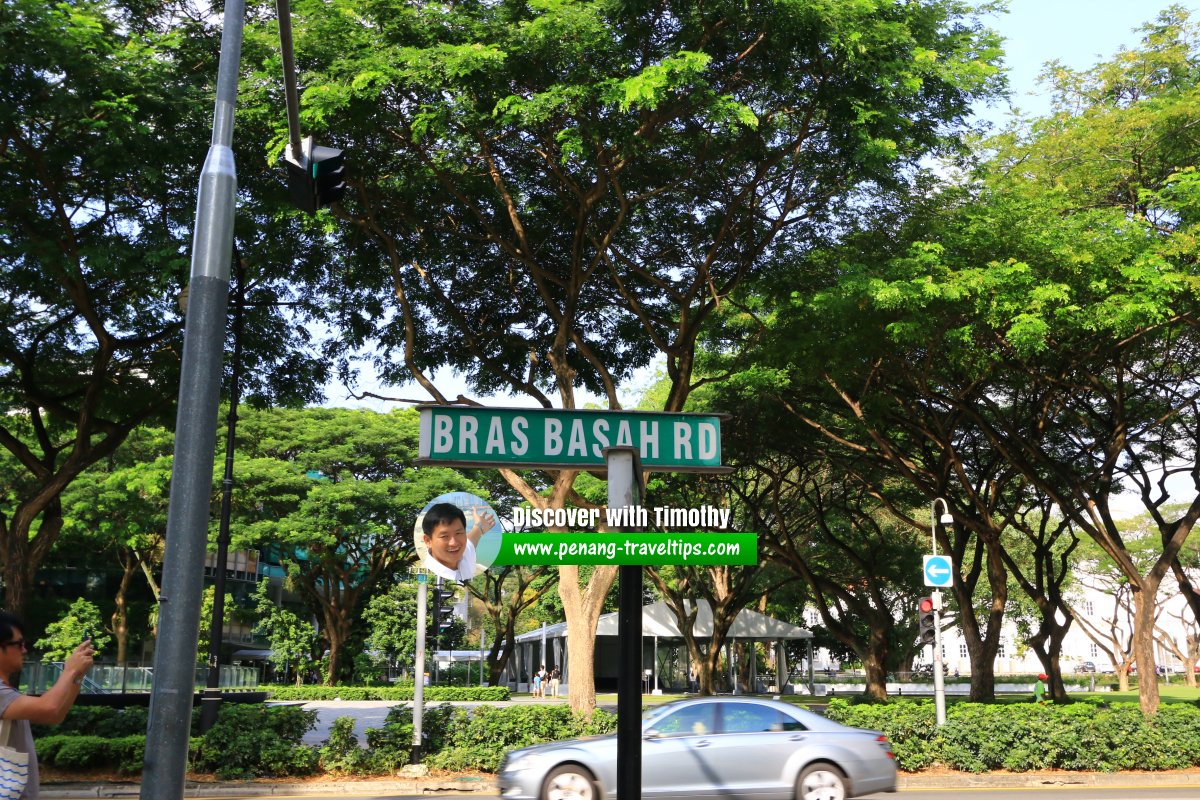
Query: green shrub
909, 725
397, 693
250, 741
391, 745
85, 752
1094, 736
110, 723
479, 740
341, 751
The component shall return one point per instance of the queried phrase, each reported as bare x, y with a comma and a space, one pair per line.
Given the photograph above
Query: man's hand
484, 520
80, 661
481, 523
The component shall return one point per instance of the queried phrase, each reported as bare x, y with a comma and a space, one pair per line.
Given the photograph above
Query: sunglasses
21, 643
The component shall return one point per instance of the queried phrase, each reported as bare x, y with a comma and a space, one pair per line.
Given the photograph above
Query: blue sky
1077, 32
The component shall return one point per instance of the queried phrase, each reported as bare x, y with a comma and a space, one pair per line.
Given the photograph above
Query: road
1129, 792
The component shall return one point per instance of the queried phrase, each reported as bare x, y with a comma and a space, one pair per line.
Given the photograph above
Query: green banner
628, 548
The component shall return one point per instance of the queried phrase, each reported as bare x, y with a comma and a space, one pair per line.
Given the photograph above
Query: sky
1078, 33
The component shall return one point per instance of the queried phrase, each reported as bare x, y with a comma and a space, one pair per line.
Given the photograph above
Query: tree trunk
1143, 644
582, 609
876, 670
23, 555
120, 616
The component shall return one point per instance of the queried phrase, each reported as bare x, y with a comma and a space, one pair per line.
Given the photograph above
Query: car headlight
527, 761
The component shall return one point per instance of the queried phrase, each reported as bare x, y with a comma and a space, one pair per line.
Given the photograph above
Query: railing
111, 679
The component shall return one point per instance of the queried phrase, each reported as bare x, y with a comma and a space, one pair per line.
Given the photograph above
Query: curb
1034, 780
964, 780
63, 791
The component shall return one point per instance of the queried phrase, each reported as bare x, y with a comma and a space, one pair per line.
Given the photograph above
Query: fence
112, 679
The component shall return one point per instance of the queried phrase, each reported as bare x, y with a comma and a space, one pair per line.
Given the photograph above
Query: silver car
714, 747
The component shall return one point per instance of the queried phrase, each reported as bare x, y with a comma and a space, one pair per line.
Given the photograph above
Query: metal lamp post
939, 683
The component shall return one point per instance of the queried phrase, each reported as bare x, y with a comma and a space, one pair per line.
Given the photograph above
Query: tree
1040, 309
291, 639
390, 618
63, 636
833, 535
548, 196
120, 508
104, 107
336, 493
506, 593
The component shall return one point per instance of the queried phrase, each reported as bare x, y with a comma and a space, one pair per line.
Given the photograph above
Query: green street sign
468, 436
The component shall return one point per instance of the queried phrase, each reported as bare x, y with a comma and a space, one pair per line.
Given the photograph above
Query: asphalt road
978, 793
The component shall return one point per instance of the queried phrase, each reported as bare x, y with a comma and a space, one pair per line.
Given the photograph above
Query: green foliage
1092, 736
462, 693
291, 639
341, 751
252, 741
391, 620
350, 531
126, 753
477, 740
109, 723
64, 635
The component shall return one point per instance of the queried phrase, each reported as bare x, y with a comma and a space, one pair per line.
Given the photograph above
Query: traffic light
925, 625
443, 607
317, 177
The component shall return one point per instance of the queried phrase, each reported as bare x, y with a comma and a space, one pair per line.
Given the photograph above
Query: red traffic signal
925, 624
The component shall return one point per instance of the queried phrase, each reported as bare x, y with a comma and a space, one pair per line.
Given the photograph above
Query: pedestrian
539, 682
1039, 689
50, 708
555, 681
693, 684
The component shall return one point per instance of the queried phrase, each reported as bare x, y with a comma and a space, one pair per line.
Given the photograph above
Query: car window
694, 720
753, 718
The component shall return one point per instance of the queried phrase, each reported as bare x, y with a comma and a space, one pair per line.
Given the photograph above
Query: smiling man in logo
451, 546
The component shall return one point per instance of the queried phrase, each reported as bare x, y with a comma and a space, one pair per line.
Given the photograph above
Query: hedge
83, 752
257, 741
1085, 736
455, 738
250, 741
398, 693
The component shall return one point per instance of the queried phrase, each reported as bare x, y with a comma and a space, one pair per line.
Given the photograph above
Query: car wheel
821, 782
569, 782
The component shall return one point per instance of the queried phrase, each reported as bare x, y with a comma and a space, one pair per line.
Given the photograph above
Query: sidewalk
68, 791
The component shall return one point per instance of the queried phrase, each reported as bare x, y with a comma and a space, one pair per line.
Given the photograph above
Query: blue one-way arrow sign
938, 571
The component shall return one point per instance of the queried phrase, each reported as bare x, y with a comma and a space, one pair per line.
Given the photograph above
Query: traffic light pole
291, 94
939, 681
165, 764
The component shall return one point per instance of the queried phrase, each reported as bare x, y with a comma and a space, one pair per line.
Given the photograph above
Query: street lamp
939, 683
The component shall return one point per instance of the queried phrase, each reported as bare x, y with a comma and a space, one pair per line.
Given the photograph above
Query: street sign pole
419, 685
625, 491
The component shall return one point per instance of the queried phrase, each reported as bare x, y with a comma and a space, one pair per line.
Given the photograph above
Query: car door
674, 762
751, 750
